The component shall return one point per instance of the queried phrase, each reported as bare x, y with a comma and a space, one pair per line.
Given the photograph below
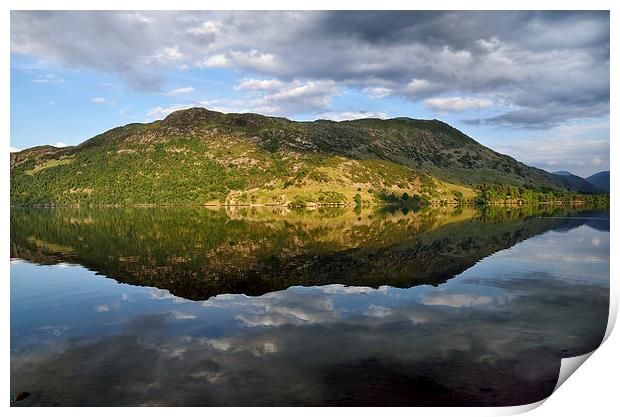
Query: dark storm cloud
538, 68
459, 30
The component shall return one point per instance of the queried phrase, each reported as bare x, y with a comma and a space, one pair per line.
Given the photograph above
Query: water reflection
198, 253
492, 335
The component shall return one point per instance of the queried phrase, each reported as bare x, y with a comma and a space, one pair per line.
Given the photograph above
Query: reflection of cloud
378, 311
572, 256
328, 362
55, 331
328, 345
217, 344
456, 300
107, 307
103, 308
182, 315
177, 352
418, 317
345, 289
160, 294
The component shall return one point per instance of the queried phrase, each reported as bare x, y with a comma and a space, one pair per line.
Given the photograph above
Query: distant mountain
577, 183
197, 156
600, 180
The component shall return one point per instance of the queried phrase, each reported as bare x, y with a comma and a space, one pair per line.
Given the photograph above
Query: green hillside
197, 156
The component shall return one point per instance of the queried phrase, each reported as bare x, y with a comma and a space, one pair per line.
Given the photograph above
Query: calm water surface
328, 307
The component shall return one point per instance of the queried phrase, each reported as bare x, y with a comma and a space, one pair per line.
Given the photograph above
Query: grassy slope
200, 157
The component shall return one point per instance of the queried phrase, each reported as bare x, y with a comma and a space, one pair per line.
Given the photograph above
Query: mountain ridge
254, 159
601, 180
577, 183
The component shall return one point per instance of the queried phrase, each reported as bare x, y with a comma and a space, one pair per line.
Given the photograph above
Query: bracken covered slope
197, 156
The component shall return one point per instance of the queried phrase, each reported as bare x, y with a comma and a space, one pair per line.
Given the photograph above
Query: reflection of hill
198, 253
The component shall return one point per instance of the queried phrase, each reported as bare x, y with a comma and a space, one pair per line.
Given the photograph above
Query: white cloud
456, 104
298, 96
48, 79
352, 115
254, 84
209, 27
420, 88
165, 56
160, 112
218, 60
226, 106
102, 100
180, 91
14, 149
377, 92
61, 145
252, 59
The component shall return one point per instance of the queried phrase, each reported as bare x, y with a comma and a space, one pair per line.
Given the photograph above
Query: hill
600, 180
576, 183
197, 156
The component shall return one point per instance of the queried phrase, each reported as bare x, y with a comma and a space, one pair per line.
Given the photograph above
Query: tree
357, 199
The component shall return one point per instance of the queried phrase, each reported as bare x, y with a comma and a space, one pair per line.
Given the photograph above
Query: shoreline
312, 205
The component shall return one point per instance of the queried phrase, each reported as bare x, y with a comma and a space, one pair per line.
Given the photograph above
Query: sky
534, 85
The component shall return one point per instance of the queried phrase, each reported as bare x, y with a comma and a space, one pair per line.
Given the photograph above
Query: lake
272, 307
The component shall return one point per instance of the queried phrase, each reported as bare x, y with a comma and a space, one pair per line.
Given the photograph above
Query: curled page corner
520, 409
568, 366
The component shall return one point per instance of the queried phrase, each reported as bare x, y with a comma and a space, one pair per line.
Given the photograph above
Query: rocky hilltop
197, 156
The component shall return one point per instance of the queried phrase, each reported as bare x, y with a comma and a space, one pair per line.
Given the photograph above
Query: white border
592, 390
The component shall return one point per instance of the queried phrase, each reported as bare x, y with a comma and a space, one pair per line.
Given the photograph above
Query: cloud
456, 104
377, 92
209, 27
353, 115
163, 56
161, 112
418, 88
253, 60
580, 149
61, 145
254, 84
544, 68
14, 149
102, 100
277, 97
180, 91
48, 79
